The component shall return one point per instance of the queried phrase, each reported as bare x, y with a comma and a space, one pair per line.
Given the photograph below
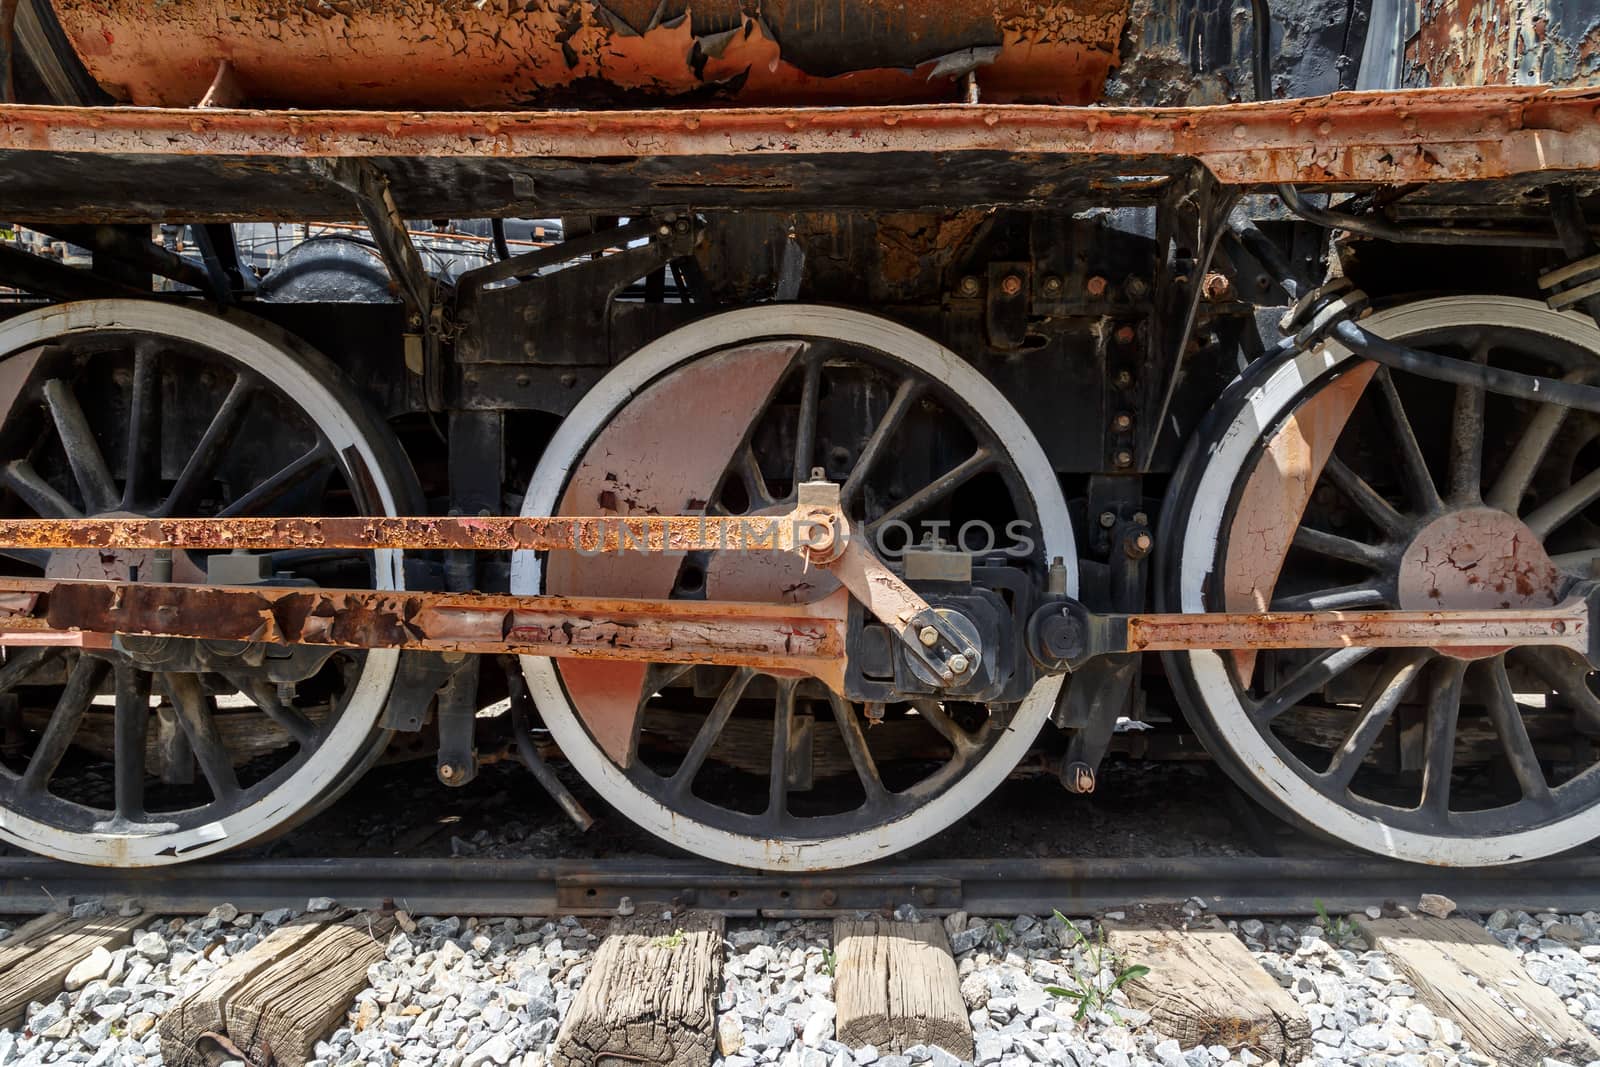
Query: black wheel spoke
755, 483
1413, 465
1523, 462
213, 445
1466, 437
905, 396
196, 714
1567, 678
1439, 737
21, 478
1374, 557
935, 716
1506, 714
805, 431
301, 729
782, 728
144, 427
64, 721
1388, 689
937, 489
83, 451
290, 477
1360, 493
1559, 509
131, 724
21, 663
705, 738
1339, 598
1311, 677
855, 743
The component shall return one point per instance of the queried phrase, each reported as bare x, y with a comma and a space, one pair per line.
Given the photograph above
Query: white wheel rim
1213, 684
254, 347
644, 367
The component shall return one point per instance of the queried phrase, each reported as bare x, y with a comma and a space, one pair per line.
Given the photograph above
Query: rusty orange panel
1425, 135
1506, 42
526, 53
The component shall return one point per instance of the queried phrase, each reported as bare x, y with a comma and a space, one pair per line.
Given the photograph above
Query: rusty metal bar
1420, 135
1565, 625
593, 534
803, 637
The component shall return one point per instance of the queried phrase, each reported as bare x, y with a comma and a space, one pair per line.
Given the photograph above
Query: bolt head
1011, 285
928, 636
968, 286
1123, 458
1052, 285
958, 663
1095, 287
1107, 519
1143, 542
1123, 421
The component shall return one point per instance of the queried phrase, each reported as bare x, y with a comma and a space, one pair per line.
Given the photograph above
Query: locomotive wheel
137, 408
1324, 482
727, 415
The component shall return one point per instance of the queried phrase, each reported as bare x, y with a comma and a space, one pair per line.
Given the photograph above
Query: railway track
1229, 885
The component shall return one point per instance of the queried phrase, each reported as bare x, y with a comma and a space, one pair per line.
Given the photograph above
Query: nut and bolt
448, 772
1139, 545
1107, 519
1122, 421
968, 286
928, 636
1125, 335
1095, 287
1123, 379
1137, 288
1052, 285
958, 663
681, 226
665, 229
1123, 458
1011, 285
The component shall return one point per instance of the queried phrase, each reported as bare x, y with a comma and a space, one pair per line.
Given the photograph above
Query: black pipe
497, 227
520, 698
1461, 372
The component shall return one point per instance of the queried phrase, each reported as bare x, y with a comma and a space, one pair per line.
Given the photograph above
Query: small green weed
1088, 991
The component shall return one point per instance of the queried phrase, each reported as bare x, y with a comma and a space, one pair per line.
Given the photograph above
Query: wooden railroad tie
276, 1001
650, 996
1458, 968
1205, 988
36, 958
895, 986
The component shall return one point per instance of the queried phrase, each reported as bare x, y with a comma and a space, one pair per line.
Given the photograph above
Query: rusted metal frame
119, 243
803, 637
1564, 626
801, 529
1420, 135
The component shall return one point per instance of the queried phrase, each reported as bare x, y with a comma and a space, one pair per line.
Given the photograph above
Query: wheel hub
1477, 557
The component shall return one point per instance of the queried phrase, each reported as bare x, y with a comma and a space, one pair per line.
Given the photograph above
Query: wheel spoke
1439, 739
1339, 598
1321, 670
21, 478
904, 396
1506, 714
1387, 690
782, 727
1360, 493
64, 721
935, 716
706, 737
265, 698
83, 451
1517, 474
937, 489
131, 723
1581, 563
274, 487
855, 743
1413, 465
196, 716
21, 664
755, 483
1466, 436
805, 431
213, 445
144, 427
1556, 511
1333, 546
1567, 679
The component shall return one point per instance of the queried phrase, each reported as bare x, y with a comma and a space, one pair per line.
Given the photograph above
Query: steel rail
1229, 885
